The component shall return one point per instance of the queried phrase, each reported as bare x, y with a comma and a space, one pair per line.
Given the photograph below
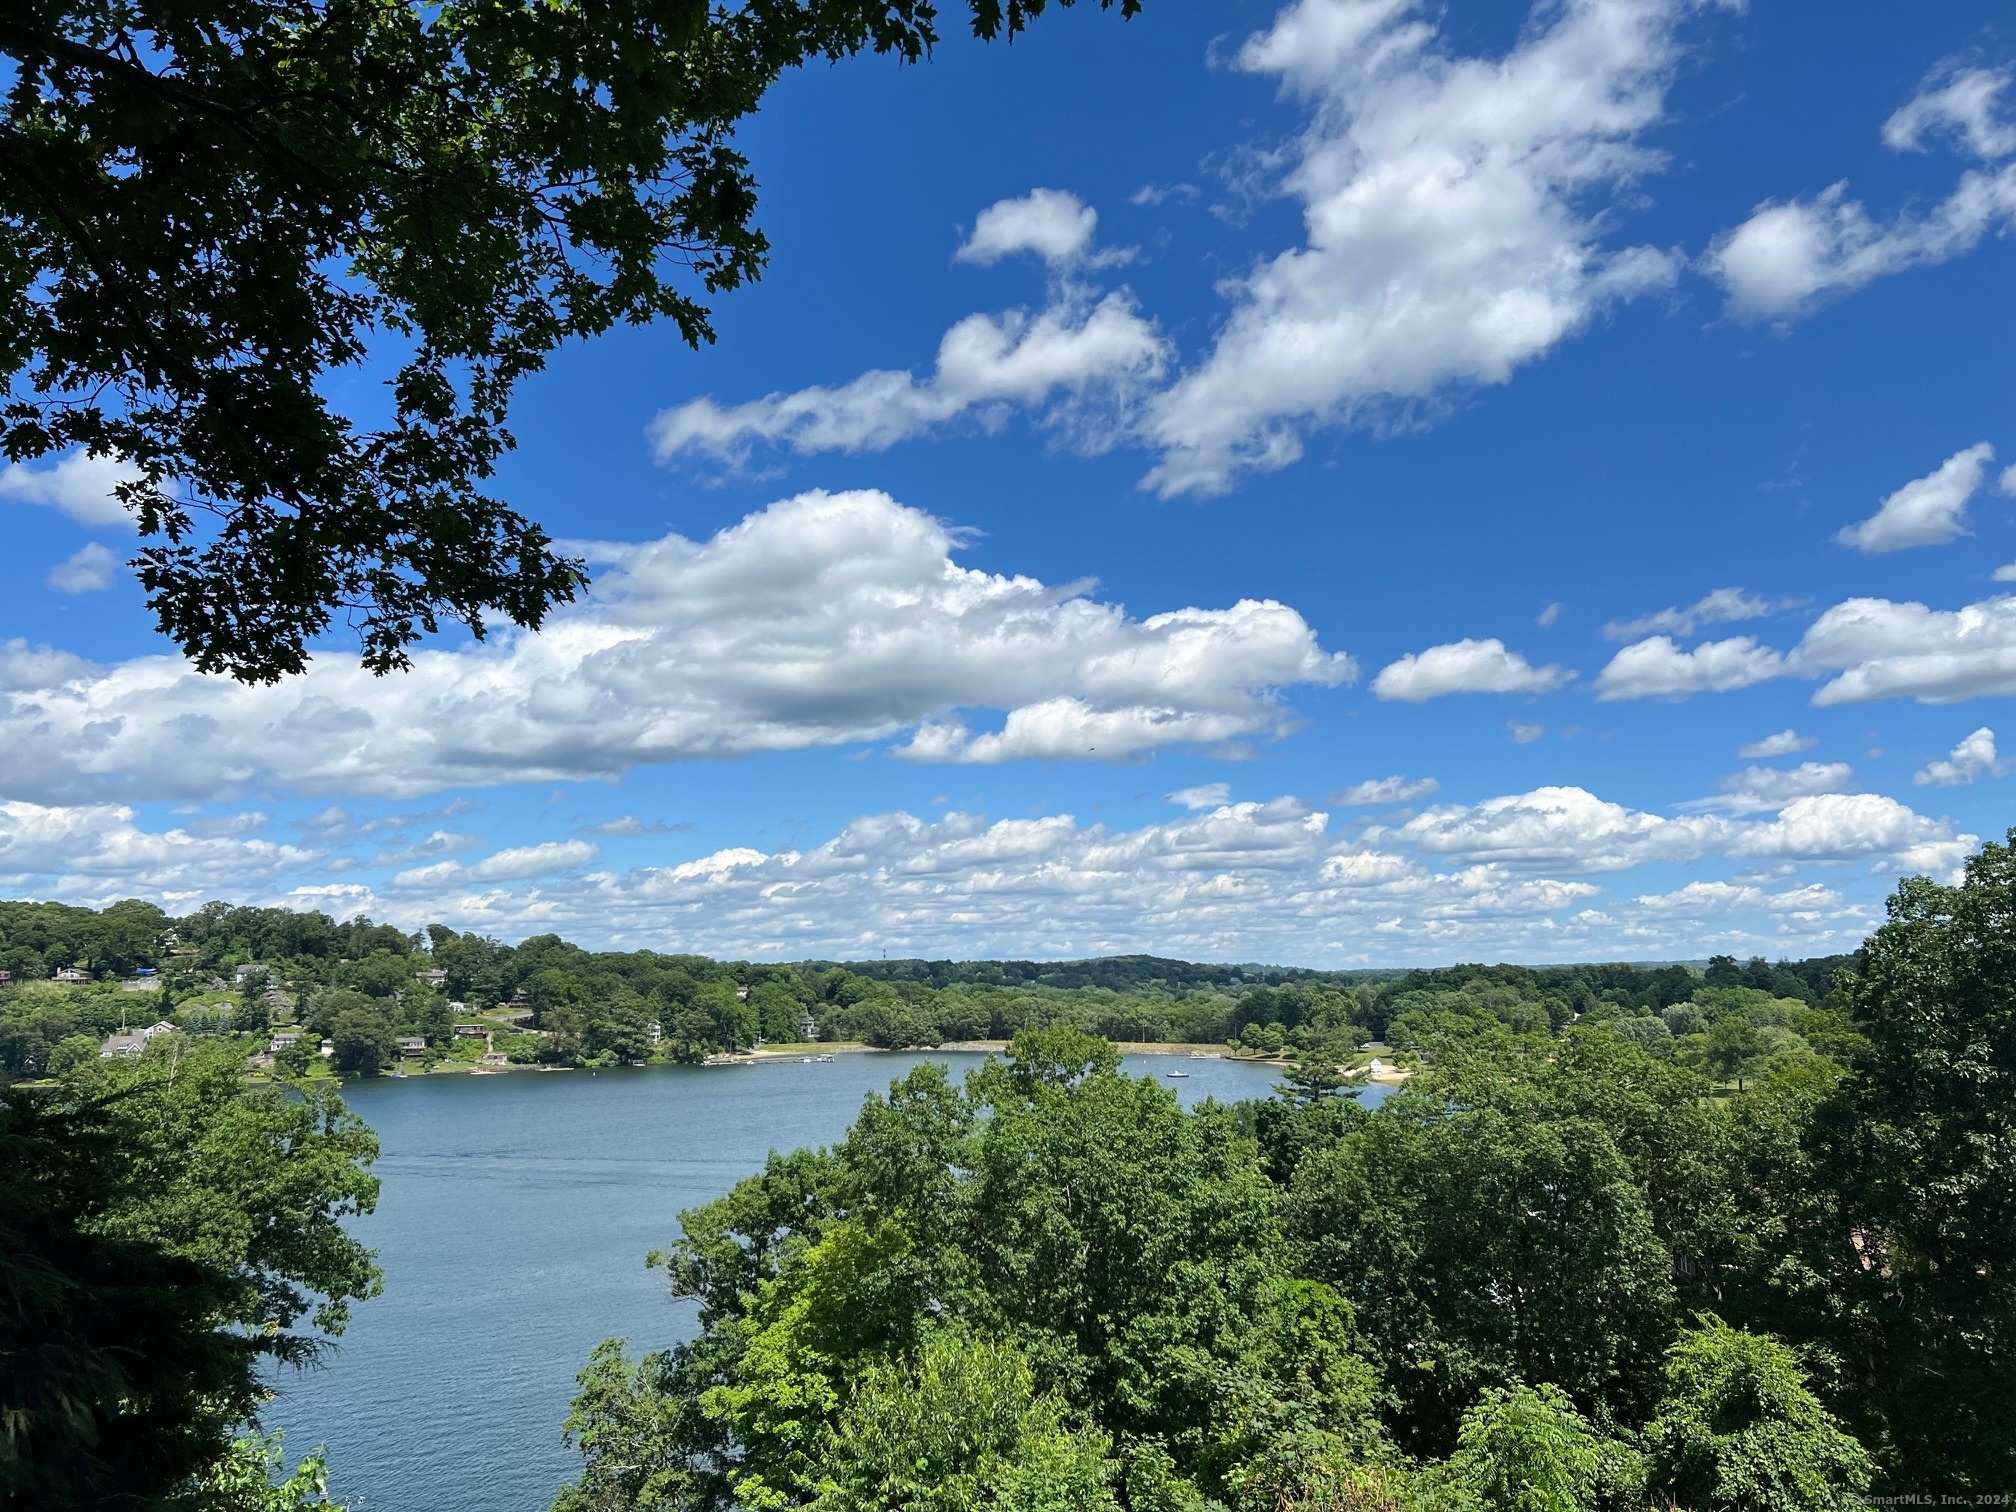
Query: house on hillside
6, 977
141, 984
250, 968
286, 1039
122, 1046
411, 1046
155, 1031
472, 1031
76, 974
434, 977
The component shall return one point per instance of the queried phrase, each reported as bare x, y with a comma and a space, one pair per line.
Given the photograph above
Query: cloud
1240, 881
823, 620
1385, 790
1927, 511
1884, 649
1449, 238
1792, 256
1548, 617
96, 852
1097, 357
1760, 789
1567, 828
1853, 826
1974, 757
78, 484
1784, 743
1057, 226
1465, 666
87, 570
1964, 107
1082, 364
1526, 734
1723, 606
1658, 668
1208, 795
630, 824
1572, 830
512, 865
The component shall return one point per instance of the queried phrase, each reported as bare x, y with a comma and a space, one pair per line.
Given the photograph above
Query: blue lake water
513, 1224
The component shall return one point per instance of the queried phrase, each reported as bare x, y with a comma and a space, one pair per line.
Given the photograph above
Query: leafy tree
962, 1430
119, 1383
163, 1230
362, 1042
1526, 1450
1912, 1248
1456, 1233
243, 1481
1739, 1429
70, 1052
208, 207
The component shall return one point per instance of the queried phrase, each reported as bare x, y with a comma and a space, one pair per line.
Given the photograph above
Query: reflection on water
513, 1225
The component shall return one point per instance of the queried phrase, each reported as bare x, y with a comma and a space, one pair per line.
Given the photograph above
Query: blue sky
1149, 440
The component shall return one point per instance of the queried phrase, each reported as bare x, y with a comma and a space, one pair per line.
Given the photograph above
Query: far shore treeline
371, 991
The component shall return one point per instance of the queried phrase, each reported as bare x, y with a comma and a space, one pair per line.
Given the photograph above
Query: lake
513, 1224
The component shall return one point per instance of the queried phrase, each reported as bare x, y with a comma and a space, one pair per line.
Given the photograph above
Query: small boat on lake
1175, 1073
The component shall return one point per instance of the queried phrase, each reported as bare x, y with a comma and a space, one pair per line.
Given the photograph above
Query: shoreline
1389, 1076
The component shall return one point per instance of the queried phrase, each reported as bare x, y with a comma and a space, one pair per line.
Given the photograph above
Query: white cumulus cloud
1927, 511
99, 853
1465, 666
1973, 757
87, 570
1855, 826
1055, 225
1885, 649
823, 620
1759, 789
1658, 668
1791, 256
513, 864
1450, 237
79, 484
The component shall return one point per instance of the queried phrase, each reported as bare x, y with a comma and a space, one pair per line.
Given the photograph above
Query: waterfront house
283, 1040
122, 1046
411, 1046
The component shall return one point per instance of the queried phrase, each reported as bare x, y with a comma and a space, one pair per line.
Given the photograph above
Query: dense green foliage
164, 1231
1759, 1259
208, 208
